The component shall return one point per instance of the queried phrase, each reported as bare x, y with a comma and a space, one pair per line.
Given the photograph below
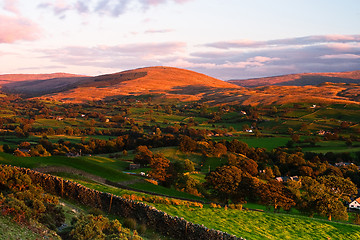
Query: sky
226, 39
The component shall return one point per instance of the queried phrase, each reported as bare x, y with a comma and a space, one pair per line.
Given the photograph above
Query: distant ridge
168, 81
7, 78
184, 85
301, 79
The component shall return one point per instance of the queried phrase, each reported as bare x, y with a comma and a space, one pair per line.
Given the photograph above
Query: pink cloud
262, 59
159, 31
11, 6
157, 2
13, 29
113, 8
299, 41
340, 56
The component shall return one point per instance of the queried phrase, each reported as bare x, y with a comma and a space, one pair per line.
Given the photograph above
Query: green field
104, 167
254, 225
251, 224
332, 146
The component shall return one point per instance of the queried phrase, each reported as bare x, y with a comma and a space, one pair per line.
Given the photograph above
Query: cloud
59, 7
11, 6
341, 56
151, 31
309, 40
113, 8
118, 57
14, 29
247, 58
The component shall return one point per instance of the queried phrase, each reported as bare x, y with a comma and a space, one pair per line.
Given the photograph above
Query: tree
306, 171
143, 156
224, 182
326, 195
187, 144
39, 151
276, 194
276, 171
159, 166
189, 165
188, 184
248, 188
247, 165
237, 146
219, 150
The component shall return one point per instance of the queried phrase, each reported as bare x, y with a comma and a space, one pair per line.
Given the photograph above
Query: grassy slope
100, 166
261, 225
250, 224
11, 230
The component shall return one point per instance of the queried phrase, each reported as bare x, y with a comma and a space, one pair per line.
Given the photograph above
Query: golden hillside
302, 79
167, 81
180, 84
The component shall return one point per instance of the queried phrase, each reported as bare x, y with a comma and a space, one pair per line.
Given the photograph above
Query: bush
96, 212
130, 223
214, 205
100, 227
357, 219
141, 228
235, 206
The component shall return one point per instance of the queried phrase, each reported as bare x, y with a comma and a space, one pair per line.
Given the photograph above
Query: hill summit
168, 81
186, 85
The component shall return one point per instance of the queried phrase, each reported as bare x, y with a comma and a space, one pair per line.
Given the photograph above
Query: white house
355, 204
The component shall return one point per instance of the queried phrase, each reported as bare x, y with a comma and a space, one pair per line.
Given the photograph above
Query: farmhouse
355, 204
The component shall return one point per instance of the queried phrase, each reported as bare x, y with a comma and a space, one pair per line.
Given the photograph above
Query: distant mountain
301, 79
167, 81
185, 85
8, 78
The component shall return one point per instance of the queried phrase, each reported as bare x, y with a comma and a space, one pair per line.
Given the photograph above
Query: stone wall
163, 223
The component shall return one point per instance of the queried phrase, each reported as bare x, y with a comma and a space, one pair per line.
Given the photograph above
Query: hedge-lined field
162, 222
252, 224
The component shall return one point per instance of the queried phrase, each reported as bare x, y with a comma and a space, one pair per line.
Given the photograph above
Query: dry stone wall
175, 227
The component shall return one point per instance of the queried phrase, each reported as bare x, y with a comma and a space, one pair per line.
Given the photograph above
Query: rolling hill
301, 79
11, 78
185, 85
167, 81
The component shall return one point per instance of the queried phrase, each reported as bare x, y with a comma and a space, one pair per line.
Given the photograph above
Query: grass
332, 146
104, 167
268, 143
251, 225
163, 190
11, 230
262, 225
339, 114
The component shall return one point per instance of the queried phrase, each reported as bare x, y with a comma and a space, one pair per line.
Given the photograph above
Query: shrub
235, 206
96, 212
214, 205
100, 227
141, 228
357, 219
130, 223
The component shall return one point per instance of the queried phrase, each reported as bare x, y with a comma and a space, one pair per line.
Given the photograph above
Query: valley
218, 154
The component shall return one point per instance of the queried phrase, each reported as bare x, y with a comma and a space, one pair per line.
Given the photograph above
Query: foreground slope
301, 79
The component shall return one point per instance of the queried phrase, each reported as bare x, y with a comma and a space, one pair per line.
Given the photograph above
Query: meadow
249, 224
144, 122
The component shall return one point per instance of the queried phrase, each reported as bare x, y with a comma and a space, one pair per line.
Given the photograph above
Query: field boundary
175, 227
59, 169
